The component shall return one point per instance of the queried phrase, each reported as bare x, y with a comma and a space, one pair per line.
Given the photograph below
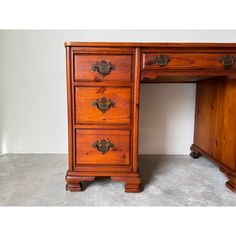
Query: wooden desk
103, 81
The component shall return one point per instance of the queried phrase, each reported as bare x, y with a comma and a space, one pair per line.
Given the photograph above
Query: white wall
33, 91
166, 118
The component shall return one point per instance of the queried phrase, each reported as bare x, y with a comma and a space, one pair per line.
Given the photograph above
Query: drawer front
102, 105
102, 147
192, 61
102, 68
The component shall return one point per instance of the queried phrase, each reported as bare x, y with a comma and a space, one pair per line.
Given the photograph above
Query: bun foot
133, 188
194, 152
74, 187
231, 183
195, 155
74, 182
133, 184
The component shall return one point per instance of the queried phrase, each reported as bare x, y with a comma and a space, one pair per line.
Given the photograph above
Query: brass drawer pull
103, 145
227, 61
103, 67
103, 104
161, 60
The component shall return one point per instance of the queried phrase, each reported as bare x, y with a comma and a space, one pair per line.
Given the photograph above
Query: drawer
102, 67
192, 61
102, 105
102, 147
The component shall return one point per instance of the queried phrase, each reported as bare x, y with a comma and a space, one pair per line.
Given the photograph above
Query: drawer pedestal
103, 98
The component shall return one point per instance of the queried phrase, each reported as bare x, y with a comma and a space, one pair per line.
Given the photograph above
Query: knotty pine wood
136, 96
119, 124
163, 45
86, 113
215, 125
69, 108
83, 67
86, 154
186, 61
183, 76
103, 50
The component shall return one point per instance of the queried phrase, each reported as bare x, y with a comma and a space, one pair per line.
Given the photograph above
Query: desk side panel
215, 125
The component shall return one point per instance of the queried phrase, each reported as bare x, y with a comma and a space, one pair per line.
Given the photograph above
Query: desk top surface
150, 44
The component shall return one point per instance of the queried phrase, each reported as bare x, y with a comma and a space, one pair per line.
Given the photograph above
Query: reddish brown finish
231, 183
103, 84
83, 67
206, 112
163, 46
181, 76
69, 108
215, 126
186, 61
133, 184
136, 109
87, 123
74, 182
87, 155
102, 50
86, 113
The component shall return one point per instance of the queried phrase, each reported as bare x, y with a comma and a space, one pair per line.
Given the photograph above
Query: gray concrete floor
38, 180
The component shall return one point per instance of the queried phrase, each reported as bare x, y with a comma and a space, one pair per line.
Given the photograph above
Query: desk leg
231, 183
132, 184
74, 182
195, 154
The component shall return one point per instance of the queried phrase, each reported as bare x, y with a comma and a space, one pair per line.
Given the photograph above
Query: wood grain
215, 126
136, 92
69, 108
86, 154
86, 113
186, 61
164, 45
225, 143
83, 67
184, 76
205, 115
